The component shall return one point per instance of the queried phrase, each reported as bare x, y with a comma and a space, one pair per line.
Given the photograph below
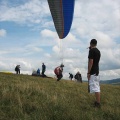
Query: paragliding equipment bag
57, 71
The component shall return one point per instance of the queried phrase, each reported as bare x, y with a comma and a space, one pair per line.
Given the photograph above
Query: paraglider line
61, 51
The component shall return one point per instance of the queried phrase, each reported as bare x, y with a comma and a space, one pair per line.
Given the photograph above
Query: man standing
93, 71
71, 76
17, 69
43, 69
78, 77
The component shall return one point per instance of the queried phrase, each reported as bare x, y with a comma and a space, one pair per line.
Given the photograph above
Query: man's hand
88, 76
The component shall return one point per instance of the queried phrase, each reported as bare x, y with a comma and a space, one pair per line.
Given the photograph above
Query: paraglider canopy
62, 14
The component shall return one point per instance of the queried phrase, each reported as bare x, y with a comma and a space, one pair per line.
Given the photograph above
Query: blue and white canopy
62, 14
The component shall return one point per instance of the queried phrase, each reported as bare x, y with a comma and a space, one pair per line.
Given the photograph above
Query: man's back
94, 54
43, 67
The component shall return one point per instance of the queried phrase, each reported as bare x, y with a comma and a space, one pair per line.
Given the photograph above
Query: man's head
61, 65
78, 72
93, 43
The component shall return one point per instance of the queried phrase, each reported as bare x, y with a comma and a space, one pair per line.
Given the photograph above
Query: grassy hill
24, 97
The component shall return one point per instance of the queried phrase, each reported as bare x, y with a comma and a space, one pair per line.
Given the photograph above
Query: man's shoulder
97, 50
94, 49
44, 65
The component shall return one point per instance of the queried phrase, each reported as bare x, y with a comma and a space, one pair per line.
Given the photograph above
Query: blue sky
28, 37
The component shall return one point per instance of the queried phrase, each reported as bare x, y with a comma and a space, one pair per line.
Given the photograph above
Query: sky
28, 37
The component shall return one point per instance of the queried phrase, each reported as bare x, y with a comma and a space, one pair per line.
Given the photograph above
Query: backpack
15, 68
57, 70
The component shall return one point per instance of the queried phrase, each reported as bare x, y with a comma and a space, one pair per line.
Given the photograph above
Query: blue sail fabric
62, 14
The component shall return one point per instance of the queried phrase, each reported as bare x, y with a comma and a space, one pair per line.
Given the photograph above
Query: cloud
92, 16
3, 65
110, 74
92, 19
56, 49
48, 34
33, 48
104, 40
2, 32
110, 59
8, 64
33, 11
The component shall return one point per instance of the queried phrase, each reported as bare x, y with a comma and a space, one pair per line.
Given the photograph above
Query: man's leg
42, 73
59, 77
97, 102
97, 95
94, 87
19, 71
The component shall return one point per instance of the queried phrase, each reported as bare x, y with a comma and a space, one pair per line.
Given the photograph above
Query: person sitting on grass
38, 71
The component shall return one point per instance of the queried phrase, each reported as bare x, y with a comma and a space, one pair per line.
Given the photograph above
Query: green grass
24, 97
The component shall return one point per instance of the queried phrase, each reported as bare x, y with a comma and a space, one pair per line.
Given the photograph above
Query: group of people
92, 74
58, 72
17, 69
43, 70
77, 76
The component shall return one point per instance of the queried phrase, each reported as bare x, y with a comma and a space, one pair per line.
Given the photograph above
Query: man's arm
90, 64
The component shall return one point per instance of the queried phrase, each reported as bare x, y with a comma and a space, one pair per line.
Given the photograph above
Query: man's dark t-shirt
94, 54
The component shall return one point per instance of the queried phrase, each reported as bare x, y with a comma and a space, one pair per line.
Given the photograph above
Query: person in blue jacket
38, 71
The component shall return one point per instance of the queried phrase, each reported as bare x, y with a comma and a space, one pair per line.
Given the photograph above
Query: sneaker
96, 104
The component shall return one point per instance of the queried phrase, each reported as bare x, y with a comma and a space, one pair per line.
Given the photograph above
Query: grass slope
24, 97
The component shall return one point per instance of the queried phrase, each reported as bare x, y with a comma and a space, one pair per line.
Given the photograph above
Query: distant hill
114, 81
